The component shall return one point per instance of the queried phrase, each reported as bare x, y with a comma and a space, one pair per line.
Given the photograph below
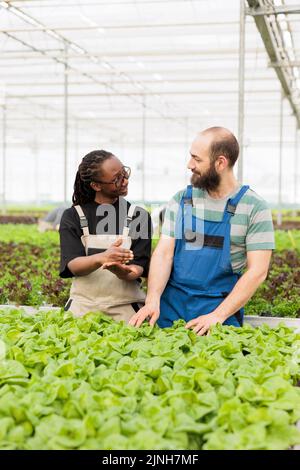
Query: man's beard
209, 181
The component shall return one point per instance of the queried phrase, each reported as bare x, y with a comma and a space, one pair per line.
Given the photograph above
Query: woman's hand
123, 271
116, 254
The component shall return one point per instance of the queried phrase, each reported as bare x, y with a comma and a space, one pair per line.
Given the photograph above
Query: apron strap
188, 222
128, 220
232, 203
83, 221
188, 195
229, 211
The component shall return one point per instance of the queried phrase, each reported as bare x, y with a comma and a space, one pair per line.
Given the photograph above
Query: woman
105, 241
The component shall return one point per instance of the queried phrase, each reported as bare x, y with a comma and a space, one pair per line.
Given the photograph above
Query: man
212, 231
52, 220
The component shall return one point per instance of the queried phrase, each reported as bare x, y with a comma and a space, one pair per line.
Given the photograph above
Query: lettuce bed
91, 383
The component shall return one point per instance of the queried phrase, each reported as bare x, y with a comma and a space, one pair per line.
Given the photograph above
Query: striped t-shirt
251, 225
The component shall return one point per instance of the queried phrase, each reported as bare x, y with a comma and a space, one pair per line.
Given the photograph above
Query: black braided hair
88, 171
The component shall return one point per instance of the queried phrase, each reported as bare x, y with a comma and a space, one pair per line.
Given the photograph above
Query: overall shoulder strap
188, 222
187, 197
229, 211
83, 221
128, 220
233, 202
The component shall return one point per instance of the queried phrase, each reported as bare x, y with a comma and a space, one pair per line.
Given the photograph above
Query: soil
288, 225
18, 219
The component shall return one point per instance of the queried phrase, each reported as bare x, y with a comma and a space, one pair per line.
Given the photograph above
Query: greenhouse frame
205, 354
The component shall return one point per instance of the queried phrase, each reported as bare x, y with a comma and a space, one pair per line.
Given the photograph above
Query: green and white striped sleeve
171, 213
260, 233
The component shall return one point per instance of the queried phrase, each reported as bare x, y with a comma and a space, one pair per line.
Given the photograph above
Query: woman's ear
95, 186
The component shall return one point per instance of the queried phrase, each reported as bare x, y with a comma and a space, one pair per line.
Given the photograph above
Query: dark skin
115, 257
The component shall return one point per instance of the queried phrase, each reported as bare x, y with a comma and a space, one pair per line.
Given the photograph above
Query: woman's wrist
100, 259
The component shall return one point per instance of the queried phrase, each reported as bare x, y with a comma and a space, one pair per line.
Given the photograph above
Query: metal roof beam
107, 85
51, 4
116, 27
269, 40
152, 81
272, 10
208, 53
68, 43
137, 117
152, 93
295, 63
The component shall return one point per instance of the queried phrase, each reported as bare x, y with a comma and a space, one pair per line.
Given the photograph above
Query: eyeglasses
125, 174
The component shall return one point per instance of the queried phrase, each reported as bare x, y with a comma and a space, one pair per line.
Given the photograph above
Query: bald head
221, 142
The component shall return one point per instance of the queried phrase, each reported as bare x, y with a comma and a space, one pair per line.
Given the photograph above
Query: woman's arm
125, 272
83, 265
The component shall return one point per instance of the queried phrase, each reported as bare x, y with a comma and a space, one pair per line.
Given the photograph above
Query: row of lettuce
91, 383
29, 265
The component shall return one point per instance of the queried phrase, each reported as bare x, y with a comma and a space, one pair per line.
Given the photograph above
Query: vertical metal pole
36, 170
122, 151
279, 214
4, 146
241, 89
295, 168
144, 150
66, 123
186, 138
76, 152
76, 143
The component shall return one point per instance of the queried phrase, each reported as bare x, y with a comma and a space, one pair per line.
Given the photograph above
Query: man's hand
149, 311
159, 274
202, 323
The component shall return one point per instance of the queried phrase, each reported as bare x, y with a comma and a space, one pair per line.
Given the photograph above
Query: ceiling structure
140, 78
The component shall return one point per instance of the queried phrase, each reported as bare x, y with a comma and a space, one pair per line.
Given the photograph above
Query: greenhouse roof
142, 77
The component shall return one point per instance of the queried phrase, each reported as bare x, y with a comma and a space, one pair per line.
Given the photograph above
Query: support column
279, 214
144, 149
36, 168
186, 149
66, 123
240, 174
296, 169
4, 146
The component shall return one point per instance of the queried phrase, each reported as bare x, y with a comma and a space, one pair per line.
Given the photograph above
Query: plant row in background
285, 240
279, 295
30, 210
29, 266
92, 383
18, 219
29, 275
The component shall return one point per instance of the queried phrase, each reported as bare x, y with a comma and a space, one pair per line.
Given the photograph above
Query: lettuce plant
92, 383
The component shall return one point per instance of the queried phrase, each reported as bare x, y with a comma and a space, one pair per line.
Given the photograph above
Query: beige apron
102, 290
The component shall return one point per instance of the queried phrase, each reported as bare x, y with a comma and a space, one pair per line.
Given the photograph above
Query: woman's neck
101, 199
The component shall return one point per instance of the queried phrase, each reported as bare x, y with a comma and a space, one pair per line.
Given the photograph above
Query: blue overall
202, 274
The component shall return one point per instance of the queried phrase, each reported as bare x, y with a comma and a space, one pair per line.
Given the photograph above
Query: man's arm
257, 269
160, 270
